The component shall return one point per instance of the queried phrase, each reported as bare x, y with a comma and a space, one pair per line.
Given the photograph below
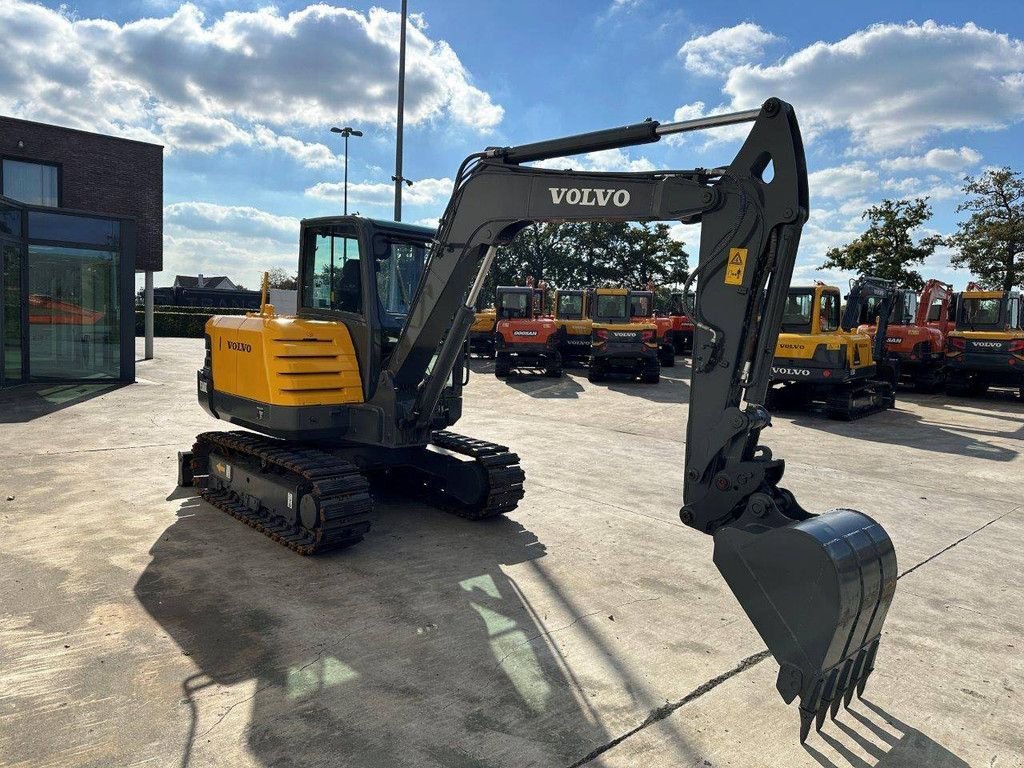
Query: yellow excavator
620, 343
986, 349
822, 357
572, 318
361, 386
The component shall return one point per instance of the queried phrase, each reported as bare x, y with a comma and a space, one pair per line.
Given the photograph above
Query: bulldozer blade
817, 591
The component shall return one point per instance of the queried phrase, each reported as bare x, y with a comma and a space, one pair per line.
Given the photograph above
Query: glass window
32, 183
74, 313
74, 229
796, 313
640, 305
1014, 313
10, 220
10, 323
980, 312
829, 318
570, 306
935, 311
514, 304
398, 275
612, 306
332, 278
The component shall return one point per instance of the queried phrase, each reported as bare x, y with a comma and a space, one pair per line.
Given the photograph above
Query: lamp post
346, 132
398, 179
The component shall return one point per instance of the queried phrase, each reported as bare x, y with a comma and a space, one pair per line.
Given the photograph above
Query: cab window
829, 314
980, 312
611, 306
399, 268
935, 311
570, 306
332, 278
1015, 314
514, 305
640, 305
796, 313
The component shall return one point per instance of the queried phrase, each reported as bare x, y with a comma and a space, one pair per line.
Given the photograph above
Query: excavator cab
986, 349
525, 338
682, 325
618, 343
571, 315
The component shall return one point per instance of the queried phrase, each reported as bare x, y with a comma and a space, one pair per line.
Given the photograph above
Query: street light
346, 132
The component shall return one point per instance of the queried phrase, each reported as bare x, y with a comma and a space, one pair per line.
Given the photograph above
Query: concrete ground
139, 626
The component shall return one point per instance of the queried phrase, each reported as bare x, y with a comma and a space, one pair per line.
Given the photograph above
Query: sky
895, 100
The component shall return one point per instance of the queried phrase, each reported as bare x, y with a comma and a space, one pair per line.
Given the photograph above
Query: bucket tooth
869, 667
817, 591
806, 718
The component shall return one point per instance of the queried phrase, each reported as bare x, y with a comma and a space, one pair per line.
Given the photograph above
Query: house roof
192, 281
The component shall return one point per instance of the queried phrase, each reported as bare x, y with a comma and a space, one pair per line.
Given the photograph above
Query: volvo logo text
588, 196
790, 371
239, 346
987, 344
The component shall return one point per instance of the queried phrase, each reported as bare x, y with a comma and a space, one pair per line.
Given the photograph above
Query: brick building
80, 213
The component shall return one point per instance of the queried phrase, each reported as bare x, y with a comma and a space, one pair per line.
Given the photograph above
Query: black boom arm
816, 587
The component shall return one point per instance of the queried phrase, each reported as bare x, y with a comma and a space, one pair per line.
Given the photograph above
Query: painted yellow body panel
484, 320
284, 360
983, 295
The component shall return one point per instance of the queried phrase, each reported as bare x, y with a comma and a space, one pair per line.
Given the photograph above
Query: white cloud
607, 160
843, 181
422, 192
238, 241
893, 85
718, 52
936, 159
241, 78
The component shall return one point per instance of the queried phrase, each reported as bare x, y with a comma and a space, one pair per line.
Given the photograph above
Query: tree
887, 248
990, 242
280, 278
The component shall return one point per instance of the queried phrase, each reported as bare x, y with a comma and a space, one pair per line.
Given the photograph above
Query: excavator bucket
817, 591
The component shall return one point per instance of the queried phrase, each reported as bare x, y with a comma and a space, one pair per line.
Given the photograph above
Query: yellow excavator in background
621, 344
822, 357
361, 386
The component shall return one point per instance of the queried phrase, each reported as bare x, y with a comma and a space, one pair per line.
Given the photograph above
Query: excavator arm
817, 588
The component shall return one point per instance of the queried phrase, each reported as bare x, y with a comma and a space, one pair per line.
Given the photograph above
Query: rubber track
342, 492
839, 405
505, 476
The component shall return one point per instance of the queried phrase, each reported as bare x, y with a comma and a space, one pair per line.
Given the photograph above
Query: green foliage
887, 248
180, 322
578, 255
281, 278
990, 242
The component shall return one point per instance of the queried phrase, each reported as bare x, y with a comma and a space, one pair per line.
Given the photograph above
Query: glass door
11, 331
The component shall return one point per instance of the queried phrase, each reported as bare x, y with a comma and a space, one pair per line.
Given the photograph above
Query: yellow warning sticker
736, 266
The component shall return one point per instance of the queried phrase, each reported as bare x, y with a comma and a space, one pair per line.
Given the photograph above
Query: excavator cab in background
682, 326
986, 349
360, 387
820, 357
641, 310
571, 315
525, 338
618, 344
916, 336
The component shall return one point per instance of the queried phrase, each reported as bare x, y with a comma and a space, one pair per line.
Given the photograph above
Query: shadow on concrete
889, 743
902, 427
412, 648
673, 387
32, 401
542, 387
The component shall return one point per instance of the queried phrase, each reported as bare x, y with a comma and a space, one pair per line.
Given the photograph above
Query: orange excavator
525, 336
917, 331
682, 325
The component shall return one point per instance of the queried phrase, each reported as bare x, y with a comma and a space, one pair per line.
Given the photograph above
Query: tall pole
345, 206
401, 114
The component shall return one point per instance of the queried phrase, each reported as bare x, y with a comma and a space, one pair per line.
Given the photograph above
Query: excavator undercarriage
360, 387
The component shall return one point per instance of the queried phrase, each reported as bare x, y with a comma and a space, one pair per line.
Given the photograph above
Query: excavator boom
816, 587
